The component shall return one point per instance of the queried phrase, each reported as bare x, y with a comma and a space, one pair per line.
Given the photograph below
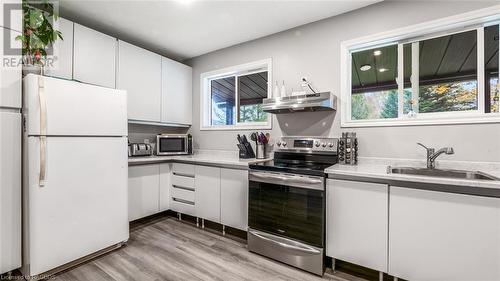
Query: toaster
139, 149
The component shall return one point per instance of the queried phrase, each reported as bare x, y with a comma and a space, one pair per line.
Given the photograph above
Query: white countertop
377, 168
208, 157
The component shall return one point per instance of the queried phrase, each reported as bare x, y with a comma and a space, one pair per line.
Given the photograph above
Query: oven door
171, 145
287, 205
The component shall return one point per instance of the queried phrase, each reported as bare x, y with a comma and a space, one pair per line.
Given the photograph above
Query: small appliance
139, 149
174, 144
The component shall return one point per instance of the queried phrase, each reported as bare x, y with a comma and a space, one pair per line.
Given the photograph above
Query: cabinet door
10, 70
10, 191
234, 198
357, 218
207, 193
94, 57
62, 64
143, 191
165, 183
176, 92
443, 236
139, 73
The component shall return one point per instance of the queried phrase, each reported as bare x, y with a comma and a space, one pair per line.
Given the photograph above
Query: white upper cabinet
12, 8
443, 236
94, 57
62, 64
356, 221
234, 198
139, 73
176, 92
10, 70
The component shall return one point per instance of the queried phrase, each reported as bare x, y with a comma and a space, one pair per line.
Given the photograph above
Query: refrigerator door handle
43, 131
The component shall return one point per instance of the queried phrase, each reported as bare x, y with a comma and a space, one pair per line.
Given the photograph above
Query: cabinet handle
183, 187
183, 175
183, 201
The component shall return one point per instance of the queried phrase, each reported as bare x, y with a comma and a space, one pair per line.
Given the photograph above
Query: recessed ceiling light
365, 67
377, 52
382, 69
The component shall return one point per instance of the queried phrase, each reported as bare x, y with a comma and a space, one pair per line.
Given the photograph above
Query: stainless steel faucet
432, 154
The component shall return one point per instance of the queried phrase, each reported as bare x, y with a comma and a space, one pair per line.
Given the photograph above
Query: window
232, 97
449, 75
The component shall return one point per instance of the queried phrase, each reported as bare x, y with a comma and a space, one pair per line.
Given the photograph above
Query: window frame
475, 20
236, 71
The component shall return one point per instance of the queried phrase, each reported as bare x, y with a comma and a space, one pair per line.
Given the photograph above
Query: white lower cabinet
234, 198
443, 236
207, 181
216, 194
357, 222
143, 190
165, 183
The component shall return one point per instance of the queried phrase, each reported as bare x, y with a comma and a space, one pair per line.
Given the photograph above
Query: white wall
313, 51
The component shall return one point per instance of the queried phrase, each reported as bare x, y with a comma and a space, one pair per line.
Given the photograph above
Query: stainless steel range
286, 215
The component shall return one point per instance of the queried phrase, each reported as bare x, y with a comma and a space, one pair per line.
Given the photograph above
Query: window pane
223, 101
448, 73
252, 90
491, 68
373, 80
407, 93
375, 105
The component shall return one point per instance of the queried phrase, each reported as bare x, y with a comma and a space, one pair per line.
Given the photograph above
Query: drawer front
183, 169
182, 207
182, 181
182, 193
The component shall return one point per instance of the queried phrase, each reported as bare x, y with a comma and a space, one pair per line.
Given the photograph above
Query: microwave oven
174, 144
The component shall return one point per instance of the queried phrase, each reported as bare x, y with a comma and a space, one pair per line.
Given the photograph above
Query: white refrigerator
75, 172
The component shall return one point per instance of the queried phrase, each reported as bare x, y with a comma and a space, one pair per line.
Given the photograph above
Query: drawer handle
183, 201
183, 175
183, 187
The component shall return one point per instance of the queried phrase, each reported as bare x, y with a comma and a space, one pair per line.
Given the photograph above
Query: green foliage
38, 32
359, 108
446, 97
252, 113
390, 107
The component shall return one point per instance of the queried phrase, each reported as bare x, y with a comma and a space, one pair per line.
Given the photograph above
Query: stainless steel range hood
311, 102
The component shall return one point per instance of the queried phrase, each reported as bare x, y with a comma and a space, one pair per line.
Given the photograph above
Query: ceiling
183, 29
446, 58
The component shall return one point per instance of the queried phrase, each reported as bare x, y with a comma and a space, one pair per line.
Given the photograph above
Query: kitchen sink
456, 174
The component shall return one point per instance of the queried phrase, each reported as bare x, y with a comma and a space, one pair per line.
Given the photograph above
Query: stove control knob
278, 143
330, 145
317, 143
323, 144
284, 144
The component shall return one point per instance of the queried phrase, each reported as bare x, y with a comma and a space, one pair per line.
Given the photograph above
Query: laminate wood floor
166, 249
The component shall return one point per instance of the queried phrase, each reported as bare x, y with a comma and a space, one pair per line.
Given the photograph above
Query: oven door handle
301, 180
302, 248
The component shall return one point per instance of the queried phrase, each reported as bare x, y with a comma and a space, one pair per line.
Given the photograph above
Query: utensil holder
261, 151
